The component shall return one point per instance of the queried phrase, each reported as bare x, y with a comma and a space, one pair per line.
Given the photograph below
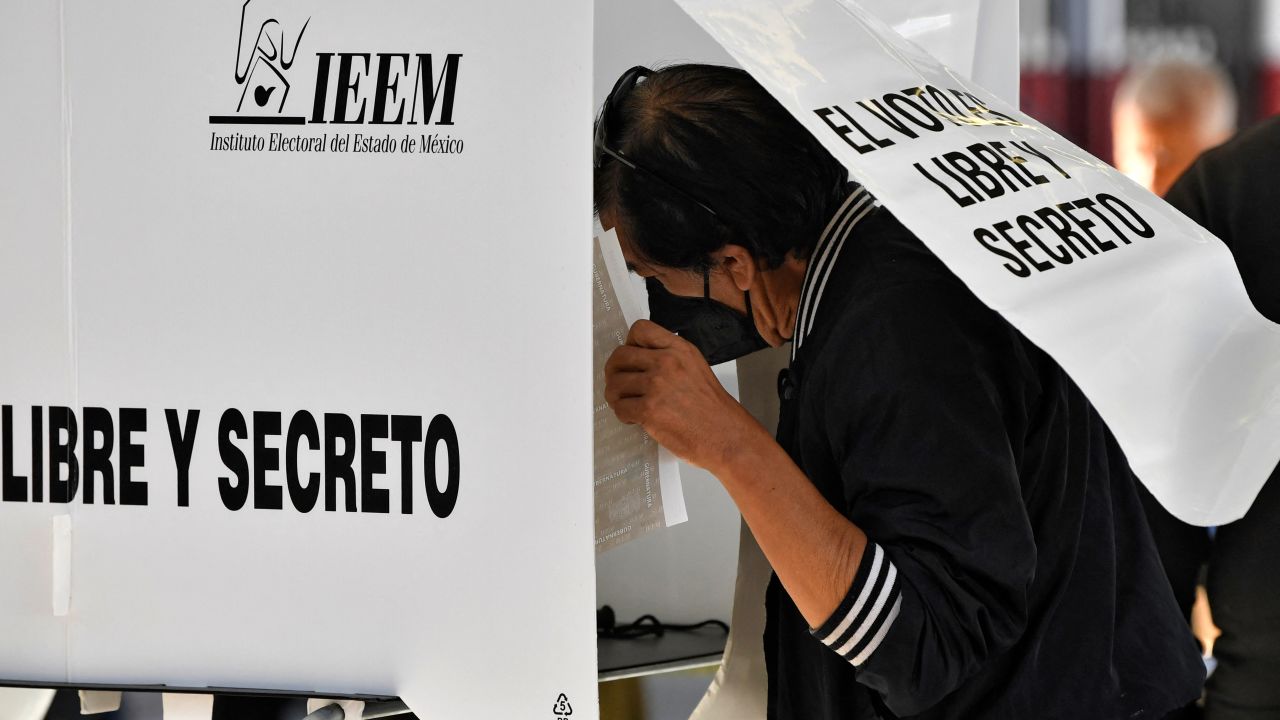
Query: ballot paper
637, 481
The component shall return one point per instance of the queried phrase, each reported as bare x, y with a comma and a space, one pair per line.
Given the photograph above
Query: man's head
716, 179
1166, 114
714, 137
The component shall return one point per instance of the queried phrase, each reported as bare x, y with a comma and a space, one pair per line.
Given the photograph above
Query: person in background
1233, 191
1164, 115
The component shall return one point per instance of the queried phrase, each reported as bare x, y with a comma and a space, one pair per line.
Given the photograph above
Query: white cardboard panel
332, 282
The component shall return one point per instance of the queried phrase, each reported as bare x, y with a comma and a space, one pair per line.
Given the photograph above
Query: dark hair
719, 136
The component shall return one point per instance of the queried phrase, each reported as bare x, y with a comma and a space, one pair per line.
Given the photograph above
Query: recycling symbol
563, 708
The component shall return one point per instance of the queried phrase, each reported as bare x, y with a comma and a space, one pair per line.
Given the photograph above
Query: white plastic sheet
1150, 317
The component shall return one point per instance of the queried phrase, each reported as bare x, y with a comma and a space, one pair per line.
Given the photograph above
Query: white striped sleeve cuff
869, 609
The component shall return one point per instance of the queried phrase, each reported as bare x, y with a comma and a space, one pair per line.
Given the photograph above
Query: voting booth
686, 574
298, 363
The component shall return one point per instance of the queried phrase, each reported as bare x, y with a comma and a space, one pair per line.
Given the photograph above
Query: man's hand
661, 382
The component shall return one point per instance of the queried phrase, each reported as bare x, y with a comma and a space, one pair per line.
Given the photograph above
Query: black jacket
1232, 190
1010, 572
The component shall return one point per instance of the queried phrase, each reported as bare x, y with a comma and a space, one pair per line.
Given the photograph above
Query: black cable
646, 625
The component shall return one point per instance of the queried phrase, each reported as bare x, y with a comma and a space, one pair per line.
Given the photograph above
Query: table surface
674, 650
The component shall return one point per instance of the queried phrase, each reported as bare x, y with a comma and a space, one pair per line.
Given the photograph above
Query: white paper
674, 510
24, 703
636, 481
635, 307
93, 702
186, 706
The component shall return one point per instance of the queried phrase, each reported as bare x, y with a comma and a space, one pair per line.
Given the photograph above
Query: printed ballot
637, 481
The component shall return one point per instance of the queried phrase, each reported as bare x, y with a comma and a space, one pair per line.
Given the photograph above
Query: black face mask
717, 330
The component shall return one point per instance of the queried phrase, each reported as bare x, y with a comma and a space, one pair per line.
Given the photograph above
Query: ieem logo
350, 87
391, 68
265, 51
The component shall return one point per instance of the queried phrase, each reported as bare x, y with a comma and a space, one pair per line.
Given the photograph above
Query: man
1232, 191
1167, 113
954, 532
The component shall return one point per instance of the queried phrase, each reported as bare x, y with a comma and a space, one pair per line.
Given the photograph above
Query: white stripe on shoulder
840, 213
823, 258
820, 252
836, 634
879, 638
864, 207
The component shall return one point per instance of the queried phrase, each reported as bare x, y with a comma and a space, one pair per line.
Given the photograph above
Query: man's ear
740, 264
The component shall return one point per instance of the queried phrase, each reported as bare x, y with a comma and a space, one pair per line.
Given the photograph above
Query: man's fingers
623, 385
629, 358
629, 410
649, 334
